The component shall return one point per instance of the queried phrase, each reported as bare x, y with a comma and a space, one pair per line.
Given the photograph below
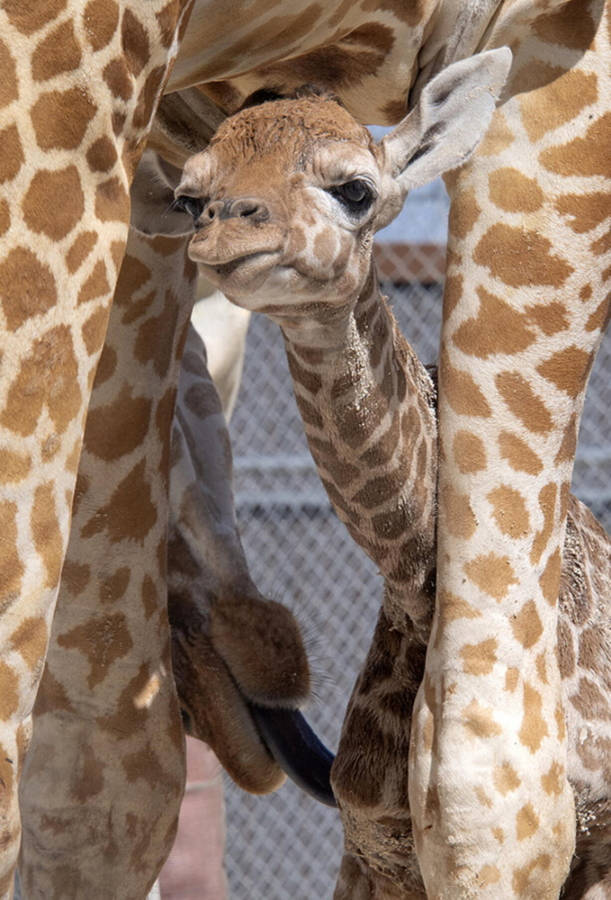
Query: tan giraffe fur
367, 410
106, 64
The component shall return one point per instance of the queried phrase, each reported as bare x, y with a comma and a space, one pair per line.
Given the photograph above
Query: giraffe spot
11, 567
479, 659
482, 797
9, 692
112, 201
8, 83
590, 701
87, 778
94, 330
511, 679
526, 625
602, 245
154, 340
585, 292
452, 293
550, 579
478, 337
48, 376
469, 452
533, 728
450, 607
568, 446
30, 639
511, 190
27, 287
498, 137
585, 156
80, 250
461, 391
519, 257
523, 402
130, 513
5, 217
568, 369
150, 596
114, 587
599, 319
553, 780
509, 511
479, 720
102, 641
506, 778
464, 213
61, 118
309, 380
584, 211
565, 650
147, 98
58, 52
102, 155
522, 882
117, 428
96, 284
54, 202
46, 532
117, 76
541, 667
571, 26
518, 454
29, 17
549, 317
13, 466
133, 274
488, 875
459, 517
11, 157
135, 42
499, 835
527, 822
558, 101
166, 20
492, 574
560, 722
75, 577
100, 18
547, 505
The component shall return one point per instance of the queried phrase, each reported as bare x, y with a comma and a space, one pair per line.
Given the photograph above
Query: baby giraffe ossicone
286, 201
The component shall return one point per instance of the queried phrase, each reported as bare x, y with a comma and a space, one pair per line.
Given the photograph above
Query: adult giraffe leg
79, 86
524, 308
104, 776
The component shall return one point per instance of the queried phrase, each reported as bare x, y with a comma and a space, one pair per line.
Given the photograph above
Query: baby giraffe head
287, 197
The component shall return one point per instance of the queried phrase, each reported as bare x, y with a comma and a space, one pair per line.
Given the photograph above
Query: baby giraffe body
286, 201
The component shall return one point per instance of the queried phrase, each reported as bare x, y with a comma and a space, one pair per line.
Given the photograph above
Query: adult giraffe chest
367, 52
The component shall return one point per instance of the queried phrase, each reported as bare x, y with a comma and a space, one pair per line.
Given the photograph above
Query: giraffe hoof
296, 749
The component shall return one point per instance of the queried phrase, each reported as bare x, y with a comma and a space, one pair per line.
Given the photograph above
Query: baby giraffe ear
447, 123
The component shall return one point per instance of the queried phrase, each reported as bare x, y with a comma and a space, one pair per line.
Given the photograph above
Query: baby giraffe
286, 201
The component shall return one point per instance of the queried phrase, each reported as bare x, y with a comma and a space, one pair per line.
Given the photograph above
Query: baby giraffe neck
367, 405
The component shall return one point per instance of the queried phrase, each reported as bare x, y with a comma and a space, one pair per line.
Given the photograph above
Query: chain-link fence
287, 847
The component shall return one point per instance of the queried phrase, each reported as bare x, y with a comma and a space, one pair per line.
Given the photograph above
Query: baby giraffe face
285, 201
288, 195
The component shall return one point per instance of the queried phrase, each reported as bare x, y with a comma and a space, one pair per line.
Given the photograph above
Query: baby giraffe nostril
249, 207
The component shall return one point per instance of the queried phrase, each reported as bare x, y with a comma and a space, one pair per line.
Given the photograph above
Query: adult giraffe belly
365, 53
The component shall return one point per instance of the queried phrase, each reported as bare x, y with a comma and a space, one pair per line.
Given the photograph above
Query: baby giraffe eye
193, 206
355, 195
